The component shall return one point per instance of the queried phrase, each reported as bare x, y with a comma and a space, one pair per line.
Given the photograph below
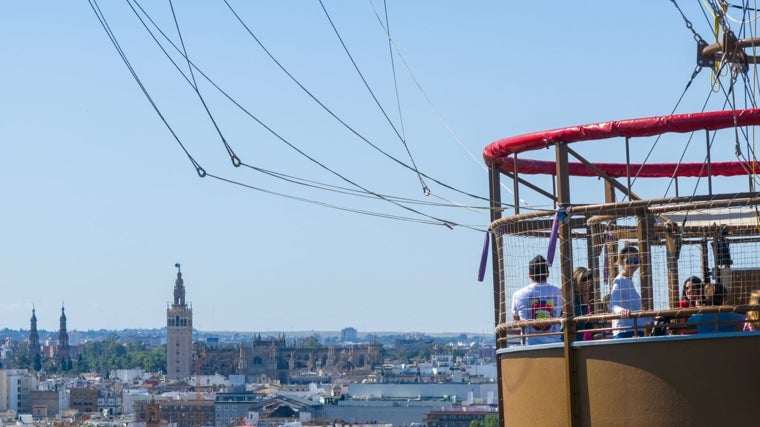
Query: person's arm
616, 301
615, 298
515, 309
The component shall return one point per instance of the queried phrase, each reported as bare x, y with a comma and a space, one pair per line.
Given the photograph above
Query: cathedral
273, 359
270, 359
261, 359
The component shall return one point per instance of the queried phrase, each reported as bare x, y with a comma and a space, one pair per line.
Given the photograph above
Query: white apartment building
15, 388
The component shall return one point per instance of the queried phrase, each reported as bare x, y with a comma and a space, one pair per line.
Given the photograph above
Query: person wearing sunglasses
624, 298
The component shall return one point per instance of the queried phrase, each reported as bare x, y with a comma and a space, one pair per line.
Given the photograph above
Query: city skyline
101, 200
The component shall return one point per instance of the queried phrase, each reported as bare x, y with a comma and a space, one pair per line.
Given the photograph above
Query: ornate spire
34, 337
63, 353
179, 288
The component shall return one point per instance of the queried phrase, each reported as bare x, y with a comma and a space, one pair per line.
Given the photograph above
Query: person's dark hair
694, 281
629, 249
538, 269
717, 294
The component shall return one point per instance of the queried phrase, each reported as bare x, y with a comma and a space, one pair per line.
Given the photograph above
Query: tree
37, 363
311, 342
488, 421
109, 354
81, 365
20, 356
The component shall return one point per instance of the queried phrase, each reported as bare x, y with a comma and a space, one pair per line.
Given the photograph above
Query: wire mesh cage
637, 256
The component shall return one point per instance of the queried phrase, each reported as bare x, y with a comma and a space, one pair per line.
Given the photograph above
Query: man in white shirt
624, 298
538, 300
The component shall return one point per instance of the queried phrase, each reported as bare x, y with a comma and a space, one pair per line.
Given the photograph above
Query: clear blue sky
99, 200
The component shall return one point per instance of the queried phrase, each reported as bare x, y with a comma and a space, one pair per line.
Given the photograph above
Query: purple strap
559, 216
483, 259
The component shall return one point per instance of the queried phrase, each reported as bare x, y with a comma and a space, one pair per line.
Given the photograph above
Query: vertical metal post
645, 269
496, 250
596, 246
709, 163
673, 280
676, 180
705, 261
628, 163
672, 253
609, 197
554, 191
516, 186
593, 265
609, 192
566, 267
497, 276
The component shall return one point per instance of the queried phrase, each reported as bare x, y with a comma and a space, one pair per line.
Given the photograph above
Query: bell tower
62, 351
179, 333
35, 355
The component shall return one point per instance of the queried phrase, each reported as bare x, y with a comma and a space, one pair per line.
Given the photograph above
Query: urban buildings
253, 379
459, 416
15, 389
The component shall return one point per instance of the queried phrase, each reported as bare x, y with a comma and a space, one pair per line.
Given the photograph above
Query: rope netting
717, 241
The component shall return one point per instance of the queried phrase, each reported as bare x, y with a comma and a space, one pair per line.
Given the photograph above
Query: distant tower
348, 335
179, 333
153, 414
63, 352
34, 344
